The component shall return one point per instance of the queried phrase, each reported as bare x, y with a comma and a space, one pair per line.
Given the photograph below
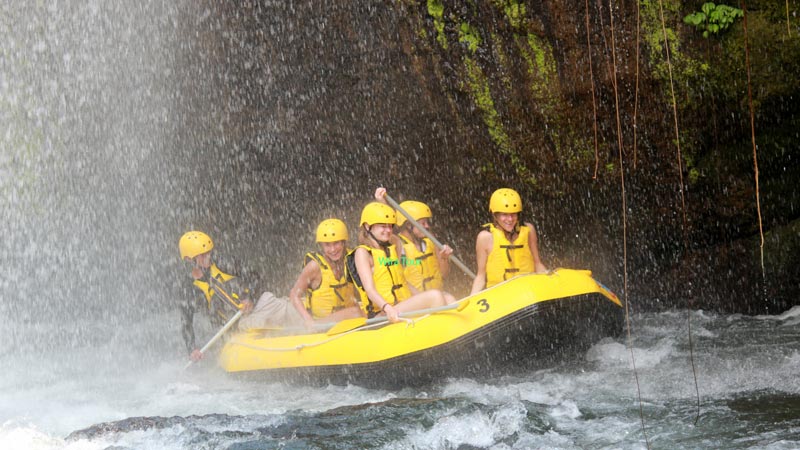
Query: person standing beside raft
223, 294
504, 249
376, 271
322, 289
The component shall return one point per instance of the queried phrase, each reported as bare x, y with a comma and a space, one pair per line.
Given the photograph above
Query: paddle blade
463, 304
346, 325
264, 329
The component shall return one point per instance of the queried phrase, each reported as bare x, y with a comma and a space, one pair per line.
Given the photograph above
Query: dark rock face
307, 106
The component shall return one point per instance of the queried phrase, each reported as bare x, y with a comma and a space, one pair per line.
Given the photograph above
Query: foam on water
575, 405
21, 435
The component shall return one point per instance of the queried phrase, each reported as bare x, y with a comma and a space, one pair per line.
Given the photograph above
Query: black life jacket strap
509, 248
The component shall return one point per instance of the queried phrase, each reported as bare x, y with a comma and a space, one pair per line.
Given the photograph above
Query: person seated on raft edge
375, 269
223, 294
322, 289
504, 249
425, 267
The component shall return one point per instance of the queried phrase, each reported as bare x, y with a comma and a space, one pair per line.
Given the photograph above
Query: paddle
218, 335
428, 235
352, 324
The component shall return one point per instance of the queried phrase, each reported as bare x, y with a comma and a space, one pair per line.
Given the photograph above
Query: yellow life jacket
332, 294
507, 259
218, 298
387, 274
422, 268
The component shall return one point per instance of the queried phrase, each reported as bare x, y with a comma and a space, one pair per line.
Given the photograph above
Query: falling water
86, 172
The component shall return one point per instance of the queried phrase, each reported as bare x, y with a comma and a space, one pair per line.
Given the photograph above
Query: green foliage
691, 167
713, 19
467, 34
514, 10
686, 71
503, 61
544, 83
542, 69
774, 63
694, 175
482, 96
436, 10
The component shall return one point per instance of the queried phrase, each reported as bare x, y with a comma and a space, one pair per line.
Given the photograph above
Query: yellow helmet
505, 200
416, 210
331, 230
194, 243
378, 213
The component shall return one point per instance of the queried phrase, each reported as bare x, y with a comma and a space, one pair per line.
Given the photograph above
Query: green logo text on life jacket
403, 261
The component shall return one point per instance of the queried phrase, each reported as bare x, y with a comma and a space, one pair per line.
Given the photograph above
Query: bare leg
429, 299
350, 312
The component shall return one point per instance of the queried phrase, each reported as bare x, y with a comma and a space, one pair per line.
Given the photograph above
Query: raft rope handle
410, 323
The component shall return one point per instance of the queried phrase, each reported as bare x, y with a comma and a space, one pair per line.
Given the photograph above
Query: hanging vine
594, 100
683, 200
636, 88
753, 140
624, 218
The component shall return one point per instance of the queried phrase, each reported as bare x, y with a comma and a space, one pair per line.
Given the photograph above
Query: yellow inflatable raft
524, 323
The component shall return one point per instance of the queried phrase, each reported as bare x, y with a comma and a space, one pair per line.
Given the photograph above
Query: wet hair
363, 236
519, 224
366, 238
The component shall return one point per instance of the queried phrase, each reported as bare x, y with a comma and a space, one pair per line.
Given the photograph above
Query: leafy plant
514, 11
713, 19
436, 10
467, 34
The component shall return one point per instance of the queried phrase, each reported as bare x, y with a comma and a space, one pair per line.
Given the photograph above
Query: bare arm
364, 268
443, 258
533, 243
483, 245
310, 276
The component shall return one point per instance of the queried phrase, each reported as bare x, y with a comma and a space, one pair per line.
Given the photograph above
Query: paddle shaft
326, 326
218, 335
352, 324
419, 312
428, 235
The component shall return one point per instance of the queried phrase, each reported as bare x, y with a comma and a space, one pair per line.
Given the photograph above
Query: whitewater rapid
96, 398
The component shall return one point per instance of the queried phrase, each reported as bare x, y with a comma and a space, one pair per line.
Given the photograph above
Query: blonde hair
363, 236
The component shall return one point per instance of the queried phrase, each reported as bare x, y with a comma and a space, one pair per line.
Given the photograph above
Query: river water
122, 392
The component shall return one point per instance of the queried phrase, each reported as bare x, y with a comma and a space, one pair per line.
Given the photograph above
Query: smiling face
382, 231
334, 251
425, 224
506, 221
